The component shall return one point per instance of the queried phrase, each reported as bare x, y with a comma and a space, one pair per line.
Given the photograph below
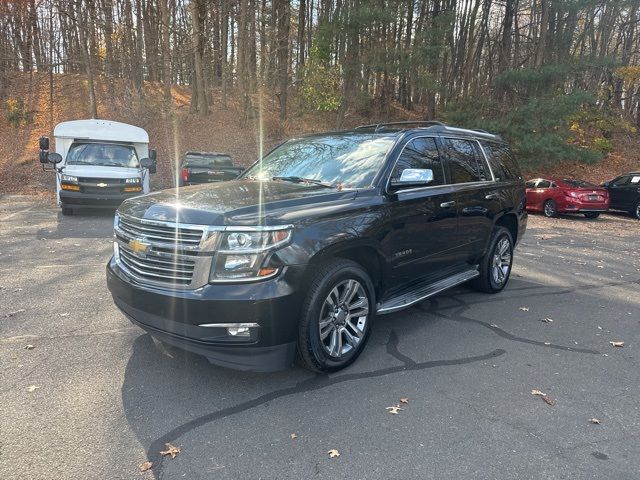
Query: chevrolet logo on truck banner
101, 185
139, 247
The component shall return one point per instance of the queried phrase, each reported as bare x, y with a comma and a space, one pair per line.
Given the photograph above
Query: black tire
312, 352
592, 214
549, 209
67, 211
635, 211
486, 282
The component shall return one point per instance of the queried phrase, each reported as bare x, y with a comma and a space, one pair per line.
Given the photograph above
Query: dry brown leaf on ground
524, 309
547, 320
595, 421
617, 344
171, 450
538, 393
29, 347
548, 401
145, 466
293, 436
404, 400
333, 453
32, 388
394, 410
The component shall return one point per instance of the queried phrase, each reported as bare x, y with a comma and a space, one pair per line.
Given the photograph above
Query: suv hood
237, 202
100, 172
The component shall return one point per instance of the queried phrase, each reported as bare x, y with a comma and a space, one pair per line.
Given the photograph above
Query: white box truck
98, 163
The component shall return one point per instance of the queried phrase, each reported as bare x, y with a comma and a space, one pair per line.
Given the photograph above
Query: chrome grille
158, 252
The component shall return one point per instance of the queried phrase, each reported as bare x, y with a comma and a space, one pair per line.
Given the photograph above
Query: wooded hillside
557, 77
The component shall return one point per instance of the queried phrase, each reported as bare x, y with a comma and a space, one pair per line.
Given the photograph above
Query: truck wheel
592, 214
495, 265
67, 211
550, 210
336, 318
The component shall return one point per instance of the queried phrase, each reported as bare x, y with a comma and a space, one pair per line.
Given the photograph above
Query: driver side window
420, 153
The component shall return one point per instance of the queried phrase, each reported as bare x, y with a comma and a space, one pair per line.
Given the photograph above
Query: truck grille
158, 252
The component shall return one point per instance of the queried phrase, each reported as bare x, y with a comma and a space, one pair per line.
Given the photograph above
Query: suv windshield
102, 154
205, 161
349, 161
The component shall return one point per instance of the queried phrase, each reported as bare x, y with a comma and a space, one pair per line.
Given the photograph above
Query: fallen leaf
394, 410
537, 392
64, 314
333, 453
548, 401
145, 466
32, 388
617, 344
29, 347
404, 400
171, 450
524, 309
293, 435
547, 320
594, 421
11, 314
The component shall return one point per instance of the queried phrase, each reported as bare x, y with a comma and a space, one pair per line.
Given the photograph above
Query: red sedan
552, 196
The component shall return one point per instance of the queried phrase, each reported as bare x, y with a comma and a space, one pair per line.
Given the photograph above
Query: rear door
477, 196
423, 225
622, 192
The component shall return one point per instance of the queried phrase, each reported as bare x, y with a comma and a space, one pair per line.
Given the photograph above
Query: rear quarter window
502, 162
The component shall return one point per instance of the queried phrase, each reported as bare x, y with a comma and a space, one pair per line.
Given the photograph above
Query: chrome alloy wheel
343, 318
549, 208
501, 261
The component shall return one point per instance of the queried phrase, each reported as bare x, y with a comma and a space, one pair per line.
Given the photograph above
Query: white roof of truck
106, 130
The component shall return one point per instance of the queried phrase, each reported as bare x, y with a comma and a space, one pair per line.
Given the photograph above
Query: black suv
624, 193
298, 256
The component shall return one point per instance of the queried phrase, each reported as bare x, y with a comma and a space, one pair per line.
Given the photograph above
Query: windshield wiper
305, 180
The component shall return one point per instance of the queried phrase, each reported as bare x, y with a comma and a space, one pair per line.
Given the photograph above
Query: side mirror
414, 177
54, 158
149, 163
153, 154
44, 143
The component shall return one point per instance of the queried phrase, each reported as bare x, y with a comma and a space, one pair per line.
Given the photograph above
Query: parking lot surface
85, 394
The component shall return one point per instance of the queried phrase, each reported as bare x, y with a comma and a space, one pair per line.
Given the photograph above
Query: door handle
491, 196
447, 204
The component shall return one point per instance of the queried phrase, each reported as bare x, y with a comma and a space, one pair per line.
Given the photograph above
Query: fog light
238, 331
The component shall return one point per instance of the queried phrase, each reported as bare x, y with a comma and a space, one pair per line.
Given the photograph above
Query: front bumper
93, 200
175, 316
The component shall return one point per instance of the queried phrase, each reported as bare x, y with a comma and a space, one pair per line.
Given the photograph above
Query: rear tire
592, 214
67, 211
495, 265
636, 210
336, 317
549, 209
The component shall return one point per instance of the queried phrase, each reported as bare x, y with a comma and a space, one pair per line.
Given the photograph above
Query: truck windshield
102, 154
347, 160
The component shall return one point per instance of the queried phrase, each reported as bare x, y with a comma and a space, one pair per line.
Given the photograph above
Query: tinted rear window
208, 161
577, 183
502, 161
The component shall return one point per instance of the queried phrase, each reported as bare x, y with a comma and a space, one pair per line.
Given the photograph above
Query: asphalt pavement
85, 394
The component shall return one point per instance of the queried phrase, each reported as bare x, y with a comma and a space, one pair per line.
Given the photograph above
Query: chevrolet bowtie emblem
101, 185
139, 247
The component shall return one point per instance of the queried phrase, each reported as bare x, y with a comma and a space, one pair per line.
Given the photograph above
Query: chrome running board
425, 290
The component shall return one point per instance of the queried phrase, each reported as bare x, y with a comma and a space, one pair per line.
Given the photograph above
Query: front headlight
132, 180
68, 178
242, 253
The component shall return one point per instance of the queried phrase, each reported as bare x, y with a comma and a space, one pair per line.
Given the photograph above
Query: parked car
299, 255
553, 196
624, 192
98, 163
206, 167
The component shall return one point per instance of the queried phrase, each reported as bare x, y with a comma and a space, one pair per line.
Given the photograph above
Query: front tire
549, 209
636, 210
336, 318
592, 214
495, 265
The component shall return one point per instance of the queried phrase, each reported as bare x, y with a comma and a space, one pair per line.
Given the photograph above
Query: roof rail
380, 126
